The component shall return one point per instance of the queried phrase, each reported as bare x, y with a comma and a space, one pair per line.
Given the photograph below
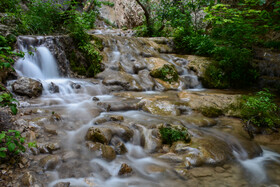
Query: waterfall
38, 61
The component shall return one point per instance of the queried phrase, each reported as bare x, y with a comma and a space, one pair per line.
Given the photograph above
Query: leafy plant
7, 54
260, 110
42, 17
77, 30
7, 99
194, 43
11, 142
108, 3
166, 73
9, 5
173, 134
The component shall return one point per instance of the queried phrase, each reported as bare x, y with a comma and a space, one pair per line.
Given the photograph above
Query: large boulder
27, 87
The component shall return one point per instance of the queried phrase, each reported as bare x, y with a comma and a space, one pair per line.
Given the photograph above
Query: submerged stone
49, 162
125, 170
53, 88
101, 150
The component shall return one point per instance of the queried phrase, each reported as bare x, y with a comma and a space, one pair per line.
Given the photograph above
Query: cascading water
64, 116
39, 64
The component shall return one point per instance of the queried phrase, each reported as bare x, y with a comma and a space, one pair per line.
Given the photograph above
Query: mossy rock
166, 72
173, 133
211, 112
85, 60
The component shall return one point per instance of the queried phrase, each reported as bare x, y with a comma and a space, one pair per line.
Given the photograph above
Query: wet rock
104, 151
125, 170
27, 179
75, 85
27, 87
48, 147
122, 131
127, 81
190, 81
53, 88
55, 117
31, 136
130, 104
69, 155
219, 169
100, 134
160, 107
24, 160
95, 99
100, 121
35, 151
49, 162
201, 172
182, 172
197, 64
156, 63
171, 157
116, 118
145, 80
166, 72
208, 150
218, 101
155, 169
62, 184
200, 120
161, 85
50, 129
119, 130
120, 148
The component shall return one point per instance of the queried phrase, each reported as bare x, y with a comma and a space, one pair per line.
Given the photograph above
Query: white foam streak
256, 166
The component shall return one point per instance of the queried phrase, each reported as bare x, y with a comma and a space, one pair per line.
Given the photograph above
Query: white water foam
256, 167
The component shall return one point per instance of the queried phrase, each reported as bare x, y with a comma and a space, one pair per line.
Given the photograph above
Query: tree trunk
147, 16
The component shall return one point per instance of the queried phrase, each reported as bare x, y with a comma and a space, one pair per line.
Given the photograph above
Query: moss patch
171, 134
211, 112
86, 60
167, 73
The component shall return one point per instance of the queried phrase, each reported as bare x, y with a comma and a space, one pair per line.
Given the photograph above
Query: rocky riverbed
106, 131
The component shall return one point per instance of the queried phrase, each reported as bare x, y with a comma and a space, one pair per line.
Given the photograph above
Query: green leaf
3, 149
2, 136
13, 109
2, 154
22, 140
11, 147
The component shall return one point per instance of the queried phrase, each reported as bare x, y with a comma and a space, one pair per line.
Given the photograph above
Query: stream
128, 107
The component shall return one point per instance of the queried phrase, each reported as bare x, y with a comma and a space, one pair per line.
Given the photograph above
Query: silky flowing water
80, 103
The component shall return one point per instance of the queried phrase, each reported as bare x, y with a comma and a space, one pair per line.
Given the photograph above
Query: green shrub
11, 143
260, 110
8, 100
172, 134
42, 17
9, 5
108, 3
231, 68
195, 44
272, 44
82, 40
